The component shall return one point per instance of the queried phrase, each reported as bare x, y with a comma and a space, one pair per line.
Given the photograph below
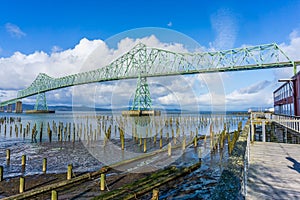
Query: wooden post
7, 155
140, 140
1, 173
41, 132
54, 195
183, 143
69, 173
44, 165
199, 154
195, 141
102, 182
74, 131
155, 195
145, 145
122, 139
22, 185
160, 142
169, 149
23, 160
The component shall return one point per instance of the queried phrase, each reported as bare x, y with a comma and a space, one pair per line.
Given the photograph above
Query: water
82, 136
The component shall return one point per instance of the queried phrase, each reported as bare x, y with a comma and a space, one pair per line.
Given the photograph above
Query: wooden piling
199, 154
160, 142
74, 133
23, 160
102, 182
1, 173
49, 132
44, 165
145, 145
155, 195
169, 149
10, 131
21, 128
41, 132
54, 195
69, 172
7, 155
183, 143
140, 140
22, 185
122, 137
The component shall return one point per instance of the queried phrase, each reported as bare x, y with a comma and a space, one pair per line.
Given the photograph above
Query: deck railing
290, 122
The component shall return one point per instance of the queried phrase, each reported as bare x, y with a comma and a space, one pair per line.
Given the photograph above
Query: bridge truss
142, 62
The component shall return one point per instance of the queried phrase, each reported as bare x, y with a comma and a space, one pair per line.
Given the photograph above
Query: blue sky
48, 27
64, 23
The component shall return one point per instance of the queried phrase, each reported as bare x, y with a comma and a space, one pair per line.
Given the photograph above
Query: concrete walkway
274, 171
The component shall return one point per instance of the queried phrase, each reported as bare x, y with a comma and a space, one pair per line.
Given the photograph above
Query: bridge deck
274, 171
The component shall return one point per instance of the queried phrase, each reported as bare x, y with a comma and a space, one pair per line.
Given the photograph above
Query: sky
61, 38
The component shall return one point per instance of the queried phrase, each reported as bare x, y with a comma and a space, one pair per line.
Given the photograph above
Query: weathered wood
148, 183
69, 172
8, 155
23, 160
1, 173
102, 182
83, 177
44, 168
155, 195
54, 195
22, 185
274, 171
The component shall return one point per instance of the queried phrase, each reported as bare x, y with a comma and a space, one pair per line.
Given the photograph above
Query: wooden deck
274, 171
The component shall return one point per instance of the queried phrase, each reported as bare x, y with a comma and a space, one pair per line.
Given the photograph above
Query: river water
83, 142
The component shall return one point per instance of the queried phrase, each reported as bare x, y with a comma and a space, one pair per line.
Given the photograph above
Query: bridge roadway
274, 171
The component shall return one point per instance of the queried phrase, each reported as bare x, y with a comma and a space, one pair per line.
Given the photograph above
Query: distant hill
66, 108
85, 108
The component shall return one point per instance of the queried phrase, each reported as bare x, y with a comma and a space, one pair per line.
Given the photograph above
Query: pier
274, 171
274, 168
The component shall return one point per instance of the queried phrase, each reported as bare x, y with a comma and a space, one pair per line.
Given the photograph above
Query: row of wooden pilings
54, 195
85, 132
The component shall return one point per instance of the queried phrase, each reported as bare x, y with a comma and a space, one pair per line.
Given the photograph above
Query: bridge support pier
1, 108
19, 108
41, 102
142, 99
9, 108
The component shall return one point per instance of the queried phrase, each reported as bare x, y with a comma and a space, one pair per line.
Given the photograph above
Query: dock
274, 171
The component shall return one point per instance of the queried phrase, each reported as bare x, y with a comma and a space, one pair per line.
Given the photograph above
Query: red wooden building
287, 97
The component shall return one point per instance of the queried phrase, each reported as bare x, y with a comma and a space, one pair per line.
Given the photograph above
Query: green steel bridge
142, 62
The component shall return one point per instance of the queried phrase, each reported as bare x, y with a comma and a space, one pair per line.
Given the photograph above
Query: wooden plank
274, 171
